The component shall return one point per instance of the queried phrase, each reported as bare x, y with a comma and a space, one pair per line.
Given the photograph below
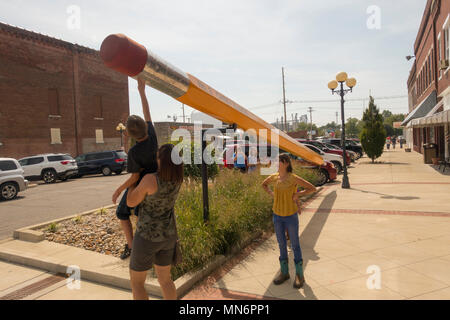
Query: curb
117, 279
31, 234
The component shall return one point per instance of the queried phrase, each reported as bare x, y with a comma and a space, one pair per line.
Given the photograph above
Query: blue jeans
289, 223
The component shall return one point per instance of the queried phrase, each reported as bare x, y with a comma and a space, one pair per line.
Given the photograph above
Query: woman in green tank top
156, 234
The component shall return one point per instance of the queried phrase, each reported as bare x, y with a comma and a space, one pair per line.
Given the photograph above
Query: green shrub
194, 171
238, 207
53, 227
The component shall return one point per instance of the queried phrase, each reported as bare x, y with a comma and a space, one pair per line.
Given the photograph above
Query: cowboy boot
299, 277
284, 273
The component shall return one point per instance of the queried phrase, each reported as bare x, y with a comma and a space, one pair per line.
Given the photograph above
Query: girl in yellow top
285, 216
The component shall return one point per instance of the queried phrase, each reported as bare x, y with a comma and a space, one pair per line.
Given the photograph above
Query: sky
239, 47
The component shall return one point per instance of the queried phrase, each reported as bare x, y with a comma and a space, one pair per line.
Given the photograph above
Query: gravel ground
100, 232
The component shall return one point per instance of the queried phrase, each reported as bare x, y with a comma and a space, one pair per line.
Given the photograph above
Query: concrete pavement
51, 201
388, 237
24, 283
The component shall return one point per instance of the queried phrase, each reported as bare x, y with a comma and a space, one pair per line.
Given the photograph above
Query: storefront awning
422, 109
439, 118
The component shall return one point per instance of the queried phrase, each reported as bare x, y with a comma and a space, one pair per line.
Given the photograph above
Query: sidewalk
395, 217
24, 283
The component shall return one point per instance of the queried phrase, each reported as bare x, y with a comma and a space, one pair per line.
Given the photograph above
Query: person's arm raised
145, 106
136, 195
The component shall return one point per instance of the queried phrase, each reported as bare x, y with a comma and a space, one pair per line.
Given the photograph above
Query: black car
104, 162
349, 145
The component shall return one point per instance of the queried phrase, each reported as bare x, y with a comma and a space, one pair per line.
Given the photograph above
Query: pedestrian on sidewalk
388, 142
155, 240
394, 141
285, 216
141, 160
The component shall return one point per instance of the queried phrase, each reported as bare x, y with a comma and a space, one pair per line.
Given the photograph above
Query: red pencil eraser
123, 54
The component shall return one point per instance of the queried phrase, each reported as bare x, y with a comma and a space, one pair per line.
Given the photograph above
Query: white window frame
99, 136
55, 136
439, 45
446, 30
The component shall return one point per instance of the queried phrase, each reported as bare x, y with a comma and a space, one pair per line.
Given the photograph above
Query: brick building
165, 129
56, 96
428, 120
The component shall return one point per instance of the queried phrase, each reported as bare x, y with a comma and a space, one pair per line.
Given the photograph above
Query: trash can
429, 152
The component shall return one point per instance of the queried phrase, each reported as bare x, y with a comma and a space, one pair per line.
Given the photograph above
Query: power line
329, 100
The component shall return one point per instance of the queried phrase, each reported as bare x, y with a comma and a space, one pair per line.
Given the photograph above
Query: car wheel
49, 176
106, 171
118, 172
322, 177
338, 166
8, 191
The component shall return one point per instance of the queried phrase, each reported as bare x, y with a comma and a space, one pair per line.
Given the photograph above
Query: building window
439, 55
99, 136
446, 28
55, 136
98, 107
53, 101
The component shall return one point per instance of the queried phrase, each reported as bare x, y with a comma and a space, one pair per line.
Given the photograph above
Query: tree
332, 126
373, 134
351, 128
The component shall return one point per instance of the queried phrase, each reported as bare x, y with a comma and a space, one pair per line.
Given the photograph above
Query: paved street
51, 201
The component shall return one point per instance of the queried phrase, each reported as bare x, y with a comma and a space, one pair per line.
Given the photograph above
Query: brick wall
31, 64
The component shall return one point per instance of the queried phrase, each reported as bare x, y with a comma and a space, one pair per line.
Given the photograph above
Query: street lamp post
121, 128
332, 85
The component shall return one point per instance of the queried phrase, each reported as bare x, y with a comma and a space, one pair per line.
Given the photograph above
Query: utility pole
284, 100
182, 106
310, 109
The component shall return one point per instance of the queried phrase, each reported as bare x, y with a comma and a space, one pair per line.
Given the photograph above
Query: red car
327, 172
324, 148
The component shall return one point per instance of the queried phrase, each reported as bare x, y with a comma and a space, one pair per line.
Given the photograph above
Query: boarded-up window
53, 101
98, 107
55, 134
99, 136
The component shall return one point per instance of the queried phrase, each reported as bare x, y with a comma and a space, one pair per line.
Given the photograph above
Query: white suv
49, 167
11, 179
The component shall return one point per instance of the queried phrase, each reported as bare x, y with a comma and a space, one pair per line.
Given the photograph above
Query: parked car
104, 162
325, 148
49, 167
326, 172
349, 144
337, 160
353, 155
11, 179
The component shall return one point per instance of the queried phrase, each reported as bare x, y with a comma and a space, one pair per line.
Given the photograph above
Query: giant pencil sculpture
131, 58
